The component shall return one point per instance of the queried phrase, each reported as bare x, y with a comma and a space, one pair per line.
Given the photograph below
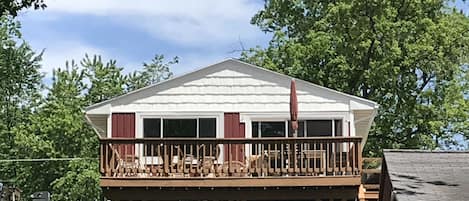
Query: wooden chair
208, 160
127, 165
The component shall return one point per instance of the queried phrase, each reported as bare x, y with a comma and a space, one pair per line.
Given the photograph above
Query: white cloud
199, 32
56, 53
190, 23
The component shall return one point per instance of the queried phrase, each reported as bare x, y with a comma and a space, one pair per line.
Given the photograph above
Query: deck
224, 163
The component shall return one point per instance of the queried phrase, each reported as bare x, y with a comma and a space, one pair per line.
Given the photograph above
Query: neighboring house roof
428, 175
238, 64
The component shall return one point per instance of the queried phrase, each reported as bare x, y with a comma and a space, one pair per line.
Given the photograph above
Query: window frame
305, 125
141, 117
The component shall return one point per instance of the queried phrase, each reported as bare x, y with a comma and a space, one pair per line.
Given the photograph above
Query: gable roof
238, 64
428, 175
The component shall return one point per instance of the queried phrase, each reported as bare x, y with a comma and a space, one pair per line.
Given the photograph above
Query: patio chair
127, 165
208, 160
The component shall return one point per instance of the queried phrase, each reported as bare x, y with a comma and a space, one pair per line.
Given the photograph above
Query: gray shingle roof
425, 175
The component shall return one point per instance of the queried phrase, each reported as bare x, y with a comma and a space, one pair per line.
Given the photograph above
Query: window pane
207, 127
255, 129
338, 128
151, 127
180, 128
273, 129
301, 129
317, 128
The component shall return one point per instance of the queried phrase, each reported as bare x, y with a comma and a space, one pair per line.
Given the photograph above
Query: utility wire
44, 159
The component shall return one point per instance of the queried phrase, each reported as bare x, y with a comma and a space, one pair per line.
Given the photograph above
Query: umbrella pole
295, 151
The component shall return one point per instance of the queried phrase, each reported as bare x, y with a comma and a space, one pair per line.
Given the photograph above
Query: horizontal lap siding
233, 91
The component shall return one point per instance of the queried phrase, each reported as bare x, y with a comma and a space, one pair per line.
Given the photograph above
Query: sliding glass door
306, 128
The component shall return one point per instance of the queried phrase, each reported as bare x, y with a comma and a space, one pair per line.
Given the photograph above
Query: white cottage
230, 120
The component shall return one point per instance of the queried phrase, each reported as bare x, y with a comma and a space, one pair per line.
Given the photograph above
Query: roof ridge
426, 151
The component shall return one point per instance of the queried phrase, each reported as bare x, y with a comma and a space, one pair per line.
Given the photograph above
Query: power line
44, 159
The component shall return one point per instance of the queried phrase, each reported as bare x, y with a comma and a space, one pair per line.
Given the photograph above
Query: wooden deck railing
212, 158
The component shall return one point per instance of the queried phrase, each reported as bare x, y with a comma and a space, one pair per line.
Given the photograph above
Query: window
207, 128
318, 128
177, 128
323, 128
268, 129
306, 128
180, 128
338, 127
301, 129
151, 128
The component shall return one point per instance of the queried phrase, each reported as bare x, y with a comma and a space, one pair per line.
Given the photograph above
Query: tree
12, 7
406, 55
20, 87
56, 129
81, 182
106, 79
155, 71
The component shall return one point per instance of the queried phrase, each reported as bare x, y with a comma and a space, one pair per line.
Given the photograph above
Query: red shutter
234, 129
242, 130
123, 126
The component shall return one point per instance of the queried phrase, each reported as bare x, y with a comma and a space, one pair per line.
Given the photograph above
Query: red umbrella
293, 107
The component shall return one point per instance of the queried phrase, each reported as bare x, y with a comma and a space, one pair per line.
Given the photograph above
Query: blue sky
198, 32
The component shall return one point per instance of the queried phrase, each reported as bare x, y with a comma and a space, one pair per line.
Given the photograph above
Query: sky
200, 33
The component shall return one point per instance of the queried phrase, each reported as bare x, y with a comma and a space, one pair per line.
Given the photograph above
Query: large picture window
179, 127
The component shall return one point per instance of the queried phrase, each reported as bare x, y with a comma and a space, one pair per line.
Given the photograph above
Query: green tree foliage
56, 128
81, 182
409, 56
106, 79
155, 71
12, 7
20, 80
20, 85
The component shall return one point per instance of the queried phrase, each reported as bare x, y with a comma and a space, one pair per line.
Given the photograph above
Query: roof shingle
428, 175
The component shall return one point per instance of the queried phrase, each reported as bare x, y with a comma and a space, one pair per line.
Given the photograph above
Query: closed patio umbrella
293, 108
294, 118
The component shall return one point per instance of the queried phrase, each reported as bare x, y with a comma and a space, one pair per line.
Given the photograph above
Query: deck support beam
334, 193
233, 182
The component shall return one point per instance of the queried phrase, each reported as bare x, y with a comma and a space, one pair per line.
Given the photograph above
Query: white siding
234, 86
232, 91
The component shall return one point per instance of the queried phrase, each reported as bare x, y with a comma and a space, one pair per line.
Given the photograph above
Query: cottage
223, 132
